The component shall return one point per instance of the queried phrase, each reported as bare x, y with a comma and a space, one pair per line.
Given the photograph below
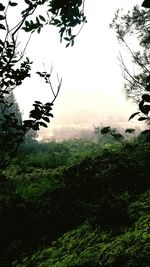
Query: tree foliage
15, 68
137, 86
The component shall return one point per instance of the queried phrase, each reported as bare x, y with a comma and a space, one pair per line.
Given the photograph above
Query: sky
92, 88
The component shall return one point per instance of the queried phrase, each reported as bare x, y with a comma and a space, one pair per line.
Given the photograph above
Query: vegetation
129, 26
15, 68
76, 203
76, 211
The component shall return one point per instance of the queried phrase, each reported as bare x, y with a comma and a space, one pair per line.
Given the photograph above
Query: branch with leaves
15, 68
136, 23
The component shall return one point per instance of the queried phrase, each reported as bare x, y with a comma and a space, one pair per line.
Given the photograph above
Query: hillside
93, 211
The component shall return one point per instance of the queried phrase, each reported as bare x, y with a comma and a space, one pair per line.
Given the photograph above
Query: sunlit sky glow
92, 89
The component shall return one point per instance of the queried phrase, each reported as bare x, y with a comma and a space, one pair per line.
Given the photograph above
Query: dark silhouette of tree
137, 86
10, 123
15, 68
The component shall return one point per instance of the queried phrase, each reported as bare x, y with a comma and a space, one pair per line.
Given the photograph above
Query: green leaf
67, 45
1, 43
69, 32
46, 119
142, 118
133, 115
145, 109
38, 102
2, 27
12, 3
66, 38
2, 17
27, 24
2, 7
28, 2
39, 30
37, 21
35, 126
42, 18
146, 97
72, 37
43, 124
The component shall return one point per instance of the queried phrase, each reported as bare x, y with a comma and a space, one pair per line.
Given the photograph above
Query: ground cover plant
94, 210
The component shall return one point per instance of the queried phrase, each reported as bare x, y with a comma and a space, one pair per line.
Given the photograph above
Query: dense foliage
78, 211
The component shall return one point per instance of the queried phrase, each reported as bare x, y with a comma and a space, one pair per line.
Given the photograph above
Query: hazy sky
92, 89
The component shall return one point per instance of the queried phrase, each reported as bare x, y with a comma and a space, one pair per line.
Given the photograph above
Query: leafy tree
15, 68
9, 114
135, 24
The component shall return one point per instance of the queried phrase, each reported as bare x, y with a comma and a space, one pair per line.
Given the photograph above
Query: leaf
69, 32
35, 126
43, 124
72, 42
141, 104
46, 119
133, 115
2, 27
66, 38
39, 30
1, 43
49, 104
142, 118
26, 29
12, 3
146, 4
27, 23
2, 7
27, 124
28, 2
38, 102
36, 113
42, 18
56, 21
145, 109
72, 37
2, 17
37, 21
147, 87
67, 45
146, 97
